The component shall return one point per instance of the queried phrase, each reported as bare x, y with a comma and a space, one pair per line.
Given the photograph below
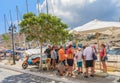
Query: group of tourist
82, 57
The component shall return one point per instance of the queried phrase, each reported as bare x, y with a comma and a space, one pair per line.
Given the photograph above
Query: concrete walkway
63, 80
53, 76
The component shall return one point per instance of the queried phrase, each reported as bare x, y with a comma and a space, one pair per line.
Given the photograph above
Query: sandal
92, 75
85, 76
61, 74
69, 74
81, 72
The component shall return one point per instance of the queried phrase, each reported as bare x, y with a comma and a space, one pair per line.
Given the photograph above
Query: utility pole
27, 6
12, 28
5, 23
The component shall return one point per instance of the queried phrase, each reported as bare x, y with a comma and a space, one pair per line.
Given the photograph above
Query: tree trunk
98, 49
40, 65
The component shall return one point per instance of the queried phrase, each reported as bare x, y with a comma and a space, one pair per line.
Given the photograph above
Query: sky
10, 5
73, 12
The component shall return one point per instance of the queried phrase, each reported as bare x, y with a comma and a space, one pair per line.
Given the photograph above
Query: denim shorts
105, 59
79, 64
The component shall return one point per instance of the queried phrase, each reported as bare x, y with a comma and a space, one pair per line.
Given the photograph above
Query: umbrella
97, 26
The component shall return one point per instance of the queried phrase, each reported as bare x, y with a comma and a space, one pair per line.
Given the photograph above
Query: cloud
78, 12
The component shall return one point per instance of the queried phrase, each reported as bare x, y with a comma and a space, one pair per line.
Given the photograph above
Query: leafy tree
6, 39
44, 28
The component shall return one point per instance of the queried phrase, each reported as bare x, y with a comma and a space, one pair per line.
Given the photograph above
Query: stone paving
64, 79
9, 76
45, 78
4, 73
79, 78
28, 78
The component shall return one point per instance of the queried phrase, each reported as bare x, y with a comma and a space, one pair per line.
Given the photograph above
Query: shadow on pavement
26, 78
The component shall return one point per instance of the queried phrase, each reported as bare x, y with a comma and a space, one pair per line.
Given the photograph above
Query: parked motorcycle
31, 60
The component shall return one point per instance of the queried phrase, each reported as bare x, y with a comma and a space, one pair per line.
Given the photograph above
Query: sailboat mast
5, 23
47, 6
38, 2
10, 16
27, 6
18, 26
17, 14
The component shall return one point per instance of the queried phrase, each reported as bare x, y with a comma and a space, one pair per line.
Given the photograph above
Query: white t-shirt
79, 55
88, 53
53, 54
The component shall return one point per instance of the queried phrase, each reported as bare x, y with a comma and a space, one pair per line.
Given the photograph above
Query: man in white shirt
88, 56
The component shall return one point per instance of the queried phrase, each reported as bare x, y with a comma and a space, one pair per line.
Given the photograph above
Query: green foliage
44, 28
5, 38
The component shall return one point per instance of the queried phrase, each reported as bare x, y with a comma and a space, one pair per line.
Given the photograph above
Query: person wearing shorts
62, 58
53, 57
79, 60
89, 63
88, 60
70, 62
48, 54
103, 57
70, 59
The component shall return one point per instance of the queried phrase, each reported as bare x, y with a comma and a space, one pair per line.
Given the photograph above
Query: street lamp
12, 29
